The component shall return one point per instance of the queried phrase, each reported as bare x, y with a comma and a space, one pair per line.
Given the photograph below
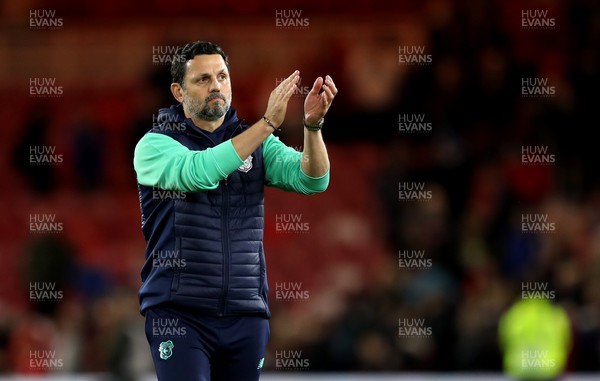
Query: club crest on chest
247, 165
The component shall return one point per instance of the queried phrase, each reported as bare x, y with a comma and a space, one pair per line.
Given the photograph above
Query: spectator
535, 338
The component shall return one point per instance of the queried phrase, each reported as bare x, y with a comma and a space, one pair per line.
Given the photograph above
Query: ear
177, 91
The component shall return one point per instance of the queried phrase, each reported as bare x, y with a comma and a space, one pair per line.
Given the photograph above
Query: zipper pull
226, 180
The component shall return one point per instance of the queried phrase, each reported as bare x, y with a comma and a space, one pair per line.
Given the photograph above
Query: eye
222, 77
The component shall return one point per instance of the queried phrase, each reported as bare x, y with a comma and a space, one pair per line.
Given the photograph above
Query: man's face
206, 87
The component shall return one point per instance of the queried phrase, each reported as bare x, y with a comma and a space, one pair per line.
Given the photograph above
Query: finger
329, 82
293, 78
284, 87
292, 90
291, 81
317, 86
328, 93
288, 92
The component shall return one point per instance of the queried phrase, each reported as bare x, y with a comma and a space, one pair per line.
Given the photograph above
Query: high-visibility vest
535, 338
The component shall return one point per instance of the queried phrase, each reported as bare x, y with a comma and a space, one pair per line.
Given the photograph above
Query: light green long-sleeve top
161, 161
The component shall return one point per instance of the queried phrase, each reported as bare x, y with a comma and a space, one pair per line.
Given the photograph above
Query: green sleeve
161, 161
284, 171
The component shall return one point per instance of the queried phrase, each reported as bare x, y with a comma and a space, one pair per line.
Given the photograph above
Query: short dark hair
188, 52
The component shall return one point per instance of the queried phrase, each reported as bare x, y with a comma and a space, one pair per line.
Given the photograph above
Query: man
201, 175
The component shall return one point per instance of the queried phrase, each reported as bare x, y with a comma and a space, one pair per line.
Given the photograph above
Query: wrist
313, 126
271, 124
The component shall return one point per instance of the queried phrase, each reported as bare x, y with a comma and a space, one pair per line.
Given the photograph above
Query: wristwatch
315, 127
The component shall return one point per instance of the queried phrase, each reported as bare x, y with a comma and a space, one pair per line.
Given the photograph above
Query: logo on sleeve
247, 165
165, 349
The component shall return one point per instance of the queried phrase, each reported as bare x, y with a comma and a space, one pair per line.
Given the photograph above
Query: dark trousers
194, 347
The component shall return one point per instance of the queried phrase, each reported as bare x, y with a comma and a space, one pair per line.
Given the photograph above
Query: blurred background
464, 178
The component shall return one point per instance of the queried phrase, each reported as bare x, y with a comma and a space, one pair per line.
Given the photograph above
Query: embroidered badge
247, 165
165, 349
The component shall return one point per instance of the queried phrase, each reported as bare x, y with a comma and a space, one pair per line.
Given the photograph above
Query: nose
215, 85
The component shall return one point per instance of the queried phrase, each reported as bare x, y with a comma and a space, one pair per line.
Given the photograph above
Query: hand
318, 102
279, 98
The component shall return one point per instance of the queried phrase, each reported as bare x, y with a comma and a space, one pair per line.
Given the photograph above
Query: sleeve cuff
315, 184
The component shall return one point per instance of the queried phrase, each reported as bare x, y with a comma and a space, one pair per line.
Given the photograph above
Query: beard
204, 110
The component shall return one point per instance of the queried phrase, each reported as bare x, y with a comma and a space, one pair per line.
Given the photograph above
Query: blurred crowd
470, 230
471, 227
